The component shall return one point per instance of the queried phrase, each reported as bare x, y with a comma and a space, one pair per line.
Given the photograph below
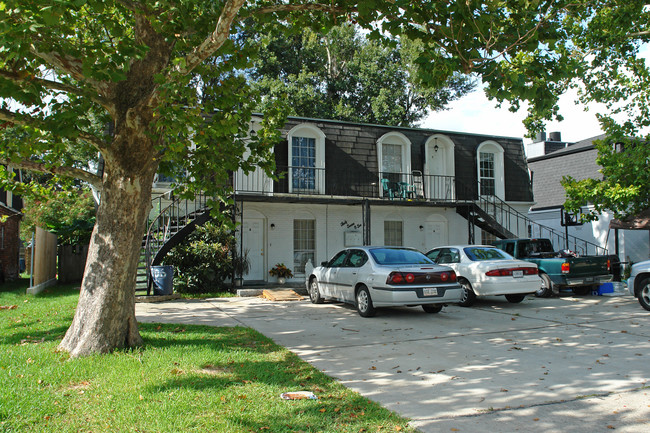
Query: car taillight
609, 265
509, 272
565, 267
397, 277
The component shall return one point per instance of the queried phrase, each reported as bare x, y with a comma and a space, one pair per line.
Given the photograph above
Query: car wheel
644, 293
547, 287
468, 296
364, 303
432, 308
515, 298
314, 293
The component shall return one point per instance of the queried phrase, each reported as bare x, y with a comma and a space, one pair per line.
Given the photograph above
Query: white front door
253, 232
436, 234
438, 184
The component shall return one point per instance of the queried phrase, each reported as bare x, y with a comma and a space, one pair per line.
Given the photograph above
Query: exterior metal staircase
177, 218
497, 217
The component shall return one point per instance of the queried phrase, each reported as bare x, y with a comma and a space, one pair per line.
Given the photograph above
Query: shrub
203, 260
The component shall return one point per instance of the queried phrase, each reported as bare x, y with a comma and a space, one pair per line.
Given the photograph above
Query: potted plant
241, 265
281, 272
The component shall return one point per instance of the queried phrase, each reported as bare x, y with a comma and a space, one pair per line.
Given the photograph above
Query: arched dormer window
394, 159
306, 159
490, 169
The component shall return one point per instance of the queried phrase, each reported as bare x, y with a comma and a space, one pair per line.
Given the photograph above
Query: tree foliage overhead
623, 189
112, 77
344, 75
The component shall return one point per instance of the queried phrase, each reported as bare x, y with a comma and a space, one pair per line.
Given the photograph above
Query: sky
474, 113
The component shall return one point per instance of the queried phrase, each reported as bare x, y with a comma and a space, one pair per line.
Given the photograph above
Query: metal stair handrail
177, 214
507, 217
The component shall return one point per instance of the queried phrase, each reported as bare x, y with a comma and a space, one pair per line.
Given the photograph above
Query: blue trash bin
163, 280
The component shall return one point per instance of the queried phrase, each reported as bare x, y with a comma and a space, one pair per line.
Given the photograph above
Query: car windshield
483, 253
396, 256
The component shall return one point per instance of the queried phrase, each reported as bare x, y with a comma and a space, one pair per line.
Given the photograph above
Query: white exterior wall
334, 220
634, 245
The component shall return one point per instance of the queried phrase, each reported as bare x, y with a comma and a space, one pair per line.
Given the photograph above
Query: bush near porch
202, 262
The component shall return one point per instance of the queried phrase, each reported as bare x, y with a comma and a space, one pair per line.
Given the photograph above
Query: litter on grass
298, 395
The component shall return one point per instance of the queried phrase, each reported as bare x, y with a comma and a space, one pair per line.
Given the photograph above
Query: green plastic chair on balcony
406, 190
388, 191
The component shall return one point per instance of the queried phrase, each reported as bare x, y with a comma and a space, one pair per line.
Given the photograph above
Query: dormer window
394, 159
306, 159
490, 169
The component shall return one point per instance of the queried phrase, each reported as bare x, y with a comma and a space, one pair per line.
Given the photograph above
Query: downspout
31, 266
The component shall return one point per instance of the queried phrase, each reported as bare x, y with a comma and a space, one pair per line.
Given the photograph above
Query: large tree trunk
105, 316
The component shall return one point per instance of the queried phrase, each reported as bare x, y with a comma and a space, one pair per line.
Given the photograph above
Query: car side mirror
324, 263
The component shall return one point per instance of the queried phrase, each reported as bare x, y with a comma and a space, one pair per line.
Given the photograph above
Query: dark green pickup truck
559, 270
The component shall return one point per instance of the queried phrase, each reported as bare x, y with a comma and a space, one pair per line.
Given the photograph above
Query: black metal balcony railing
414, 186
314, 181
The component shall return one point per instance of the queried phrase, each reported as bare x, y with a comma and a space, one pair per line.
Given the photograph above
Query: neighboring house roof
577, 160
8, 209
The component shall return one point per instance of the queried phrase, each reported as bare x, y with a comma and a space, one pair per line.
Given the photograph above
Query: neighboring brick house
350, 184
9, 242
579, 161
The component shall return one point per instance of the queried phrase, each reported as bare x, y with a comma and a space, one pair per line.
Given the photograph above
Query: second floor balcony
312, 181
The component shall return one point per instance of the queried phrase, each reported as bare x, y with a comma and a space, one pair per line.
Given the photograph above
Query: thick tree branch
229, 14
41, 167
21, 78
216, 39
26, 120
73, 66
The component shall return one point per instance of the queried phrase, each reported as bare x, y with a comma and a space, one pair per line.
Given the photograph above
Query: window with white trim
304, 244
487, 173
306, 159
394, 159
303, 163
393, 233
490, 169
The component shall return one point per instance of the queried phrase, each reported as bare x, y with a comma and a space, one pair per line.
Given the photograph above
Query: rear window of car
481, 253
395, 256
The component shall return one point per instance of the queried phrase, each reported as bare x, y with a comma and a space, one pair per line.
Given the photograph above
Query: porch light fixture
272, 226
421, 228
435, 148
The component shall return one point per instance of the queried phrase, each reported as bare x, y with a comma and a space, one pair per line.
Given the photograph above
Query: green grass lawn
184, 379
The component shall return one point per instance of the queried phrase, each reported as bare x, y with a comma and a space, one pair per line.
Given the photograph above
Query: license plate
517, 274
430, 292
589, 279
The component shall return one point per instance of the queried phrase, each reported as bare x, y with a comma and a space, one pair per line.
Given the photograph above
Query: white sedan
371, 277
487, 271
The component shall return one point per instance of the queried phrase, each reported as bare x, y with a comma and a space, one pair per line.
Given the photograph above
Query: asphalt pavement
569, 364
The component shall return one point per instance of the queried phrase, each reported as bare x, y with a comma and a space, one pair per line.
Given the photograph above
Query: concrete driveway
570, 364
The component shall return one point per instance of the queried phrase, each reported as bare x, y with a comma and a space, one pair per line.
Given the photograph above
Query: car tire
468, 297
515, 298
364, 303
547, 287
314, 293
643, 293
432, 308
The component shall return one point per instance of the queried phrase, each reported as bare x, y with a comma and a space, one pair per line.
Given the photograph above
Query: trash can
163, 280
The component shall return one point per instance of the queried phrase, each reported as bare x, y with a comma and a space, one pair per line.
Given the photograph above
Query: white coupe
488, 271
371, 277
